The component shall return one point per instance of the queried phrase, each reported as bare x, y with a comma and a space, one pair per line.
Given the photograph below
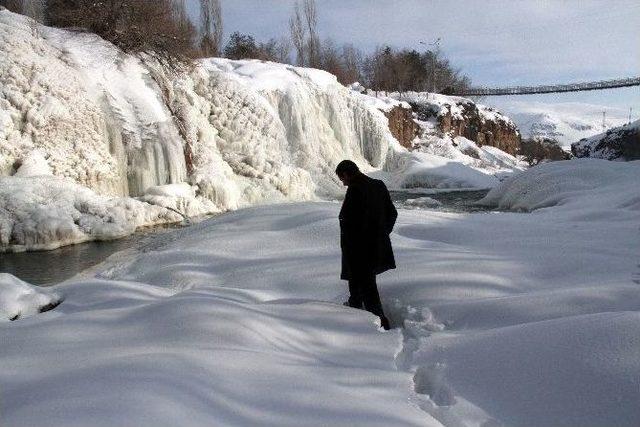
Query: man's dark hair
347, 167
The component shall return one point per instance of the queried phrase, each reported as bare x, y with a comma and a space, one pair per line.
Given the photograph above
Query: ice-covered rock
47, 212
34, 164
455, 116
18, 299
621, 143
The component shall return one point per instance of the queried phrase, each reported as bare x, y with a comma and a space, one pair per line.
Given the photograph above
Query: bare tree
34, 9
352, 62
298, 34
211, 22
157, 27
15, 6
313, 42
282, 52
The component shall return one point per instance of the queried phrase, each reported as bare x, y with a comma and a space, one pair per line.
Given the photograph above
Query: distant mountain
563, 122
621, 143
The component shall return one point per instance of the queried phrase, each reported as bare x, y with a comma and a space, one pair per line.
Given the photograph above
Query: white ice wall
255, 131
94, 112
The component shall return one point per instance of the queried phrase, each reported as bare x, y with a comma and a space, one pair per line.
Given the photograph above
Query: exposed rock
402, 126
536, 150
462, 117
620, 143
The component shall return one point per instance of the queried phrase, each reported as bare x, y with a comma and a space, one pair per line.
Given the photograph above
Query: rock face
402, 126
621, 143
462, 117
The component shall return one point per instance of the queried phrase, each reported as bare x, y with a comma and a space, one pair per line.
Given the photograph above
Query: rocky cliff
457, 116
402, 125
620, 143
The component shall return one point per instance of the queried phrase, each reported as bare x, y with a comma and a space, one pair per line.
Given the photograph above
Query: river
46, 268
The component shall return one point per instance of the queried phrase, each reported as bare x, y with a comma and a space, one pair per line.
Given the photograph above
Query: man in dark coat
367, 218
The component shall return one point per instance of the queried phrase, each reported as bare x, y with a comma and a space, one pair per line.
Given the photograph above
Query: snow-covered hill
563, 122
506, 319
621, 143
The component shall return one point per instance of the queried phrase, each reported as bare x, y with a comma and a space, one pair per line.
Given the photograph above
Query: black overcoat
367, 218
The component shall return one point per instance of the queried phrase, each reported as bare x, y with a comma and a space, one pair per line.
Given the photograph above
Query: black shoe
352, 305
384, 322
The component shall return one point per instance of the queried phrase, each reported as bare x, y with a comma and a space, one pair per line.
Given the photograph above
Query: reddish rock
481, 125
402, 126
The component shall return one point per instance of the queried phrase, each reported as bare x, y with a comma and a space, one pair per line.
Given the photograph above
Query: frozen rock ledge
18, 299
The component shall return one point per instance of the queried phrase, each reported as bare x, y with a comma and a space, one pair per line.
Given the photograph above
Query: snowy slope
621, 143
564, 122
509, 319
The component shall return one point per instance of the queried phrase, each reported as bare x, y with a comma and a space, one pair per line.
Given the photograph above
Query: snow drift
509, 319
19, 299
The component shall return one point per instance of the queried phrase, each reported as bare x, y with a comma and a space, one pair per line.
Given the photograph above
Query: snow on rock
621, 143
180, 197
579, 185
19, 299
33, 164
46, 212
455, 116
425, 170
444, 144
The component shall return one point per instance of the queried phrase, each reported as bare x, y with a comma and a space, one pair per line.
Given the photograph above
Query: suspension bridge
531, 90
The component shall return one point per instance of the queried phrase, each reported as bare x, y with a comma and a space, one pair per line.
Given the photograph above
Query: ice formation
47, 212
237, 133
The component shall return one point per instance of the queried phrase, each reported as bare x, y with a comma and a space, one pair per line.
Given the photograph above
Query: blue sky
495, 42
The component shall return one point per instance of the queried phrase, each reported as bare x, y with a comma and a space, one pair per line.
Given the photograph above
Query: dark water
47, 268
451, 201
51, 267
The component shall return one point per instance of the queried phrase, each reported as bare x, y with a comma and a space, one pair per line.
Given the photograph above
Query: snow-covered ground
565, 122
513, 319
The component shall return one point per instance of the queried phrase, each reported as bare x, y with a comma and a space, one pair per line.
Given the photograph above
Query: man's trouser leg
355, 294
368, 290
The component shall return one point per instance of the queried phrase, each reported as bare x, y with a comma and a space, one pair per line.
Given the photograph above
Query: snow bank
509, 319
207, 330
19, 299
580, 185
46, 212
425, 170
